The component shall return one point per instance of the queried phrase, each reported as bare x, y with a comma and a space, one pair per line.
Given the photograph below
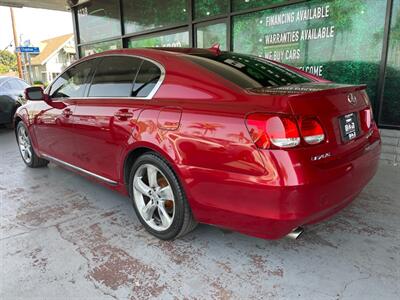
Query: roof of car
4, 79
155, 51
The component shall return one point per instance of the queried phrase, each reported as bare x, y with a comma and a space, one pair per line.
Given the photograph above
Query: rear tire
158, 198
28, 154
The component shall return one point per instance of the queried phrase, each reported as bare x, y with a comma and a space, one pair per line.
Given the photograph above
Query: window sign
98, 20
179, 39
338, 40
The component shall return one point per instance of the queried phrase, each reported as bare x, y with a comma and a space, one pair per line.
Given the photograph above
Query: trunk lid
332, 104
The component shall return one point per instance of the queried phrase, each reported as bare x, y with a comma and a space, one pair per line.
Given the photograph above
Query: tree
8, 62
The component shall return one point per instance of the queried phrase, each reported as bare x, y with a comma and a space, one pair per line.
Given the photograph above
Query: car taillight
366, 115
312, 131
268, 131
366, 119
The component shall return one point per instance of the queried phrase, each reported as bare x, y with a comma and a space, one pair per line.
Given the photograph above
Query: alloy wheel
25, 145
154, 197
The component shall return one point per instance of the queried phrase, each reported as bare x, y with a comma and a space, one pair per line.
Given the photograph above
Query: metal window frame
191, 26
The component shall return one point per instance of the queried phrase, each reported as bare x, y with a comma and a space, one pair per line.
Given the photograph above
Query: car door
105, 118
53, 124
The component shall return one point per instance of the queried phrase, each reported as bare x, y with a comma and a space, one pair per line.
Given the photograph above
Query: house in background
55, 55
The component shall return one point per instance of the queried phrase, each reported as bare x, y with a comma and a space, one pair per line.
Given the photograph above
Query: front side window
73, 82
114, 77
247, 71
146, 80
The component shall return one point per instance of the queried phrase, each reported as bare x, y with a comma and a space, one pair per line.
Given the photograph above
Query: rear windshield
247, 71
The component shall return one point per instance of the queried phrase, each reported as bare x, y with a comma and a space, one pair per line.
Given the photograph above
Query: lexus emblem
352, 99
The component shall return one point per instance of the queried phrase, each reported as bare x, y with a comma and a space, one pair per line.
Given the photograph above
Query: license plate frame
349, 126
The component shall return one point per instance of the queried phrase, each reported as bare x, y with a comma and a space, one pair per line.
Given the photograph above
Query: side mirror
36, 93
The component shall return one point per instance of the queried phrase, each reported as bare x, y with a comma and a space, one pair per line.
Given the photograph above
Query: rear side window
247, 71
114, 77
73, 82
146, 80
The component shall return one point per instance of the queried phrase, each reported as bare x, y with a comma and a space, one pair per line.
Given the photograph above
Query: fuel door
169, 118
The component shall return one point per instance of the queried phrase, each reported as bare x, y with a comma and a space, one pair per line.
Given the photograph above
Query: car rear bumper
253, 206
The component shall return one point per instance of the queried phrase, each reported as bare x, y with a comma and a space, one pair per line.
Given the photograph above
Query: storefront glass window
140, 15
209, 35
391, 100
178, 39
338, 40
100, 47
247, 4
208, 8
98, 20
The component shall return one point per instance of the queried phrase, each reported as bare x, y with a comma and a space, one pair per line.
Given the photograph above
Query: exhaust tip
295, 233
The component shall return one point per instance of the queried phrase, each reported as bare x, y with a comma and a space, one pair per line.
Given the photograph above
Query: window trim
86, 97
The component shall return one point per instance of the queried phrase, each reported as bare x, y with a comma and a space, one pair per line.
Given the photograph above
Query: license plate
349, 127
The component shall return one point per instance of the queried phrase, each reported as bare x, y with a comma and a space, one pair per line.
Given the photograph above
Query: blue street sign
27, 49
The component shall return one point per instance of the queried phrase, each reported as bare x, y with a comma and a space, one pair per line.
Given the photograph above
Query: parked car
11, 97
204, 136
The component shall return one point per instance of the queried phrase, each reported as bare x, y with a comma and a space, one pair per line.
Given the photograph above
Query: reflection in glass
140, 15
246, 4
208, 8
100, 47
391, 101
146, 80
179, 39
343, 43
247, 71
98, 20
209, 35
114, 77
72, 83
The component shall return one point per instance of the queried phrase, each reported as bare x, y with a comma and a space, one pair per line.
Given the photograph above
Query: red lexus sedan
205, 136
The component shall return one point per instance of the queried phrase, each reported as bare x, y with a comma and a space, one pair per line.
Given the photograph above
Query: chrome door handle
67, 112
121, 114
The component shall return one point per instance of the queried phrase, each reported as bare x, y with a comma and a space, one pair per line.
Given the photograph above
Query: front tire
28, 154
158, 198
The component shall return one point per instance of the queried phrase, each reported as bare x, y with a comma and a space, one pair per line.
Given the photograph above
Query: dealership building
355, 42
